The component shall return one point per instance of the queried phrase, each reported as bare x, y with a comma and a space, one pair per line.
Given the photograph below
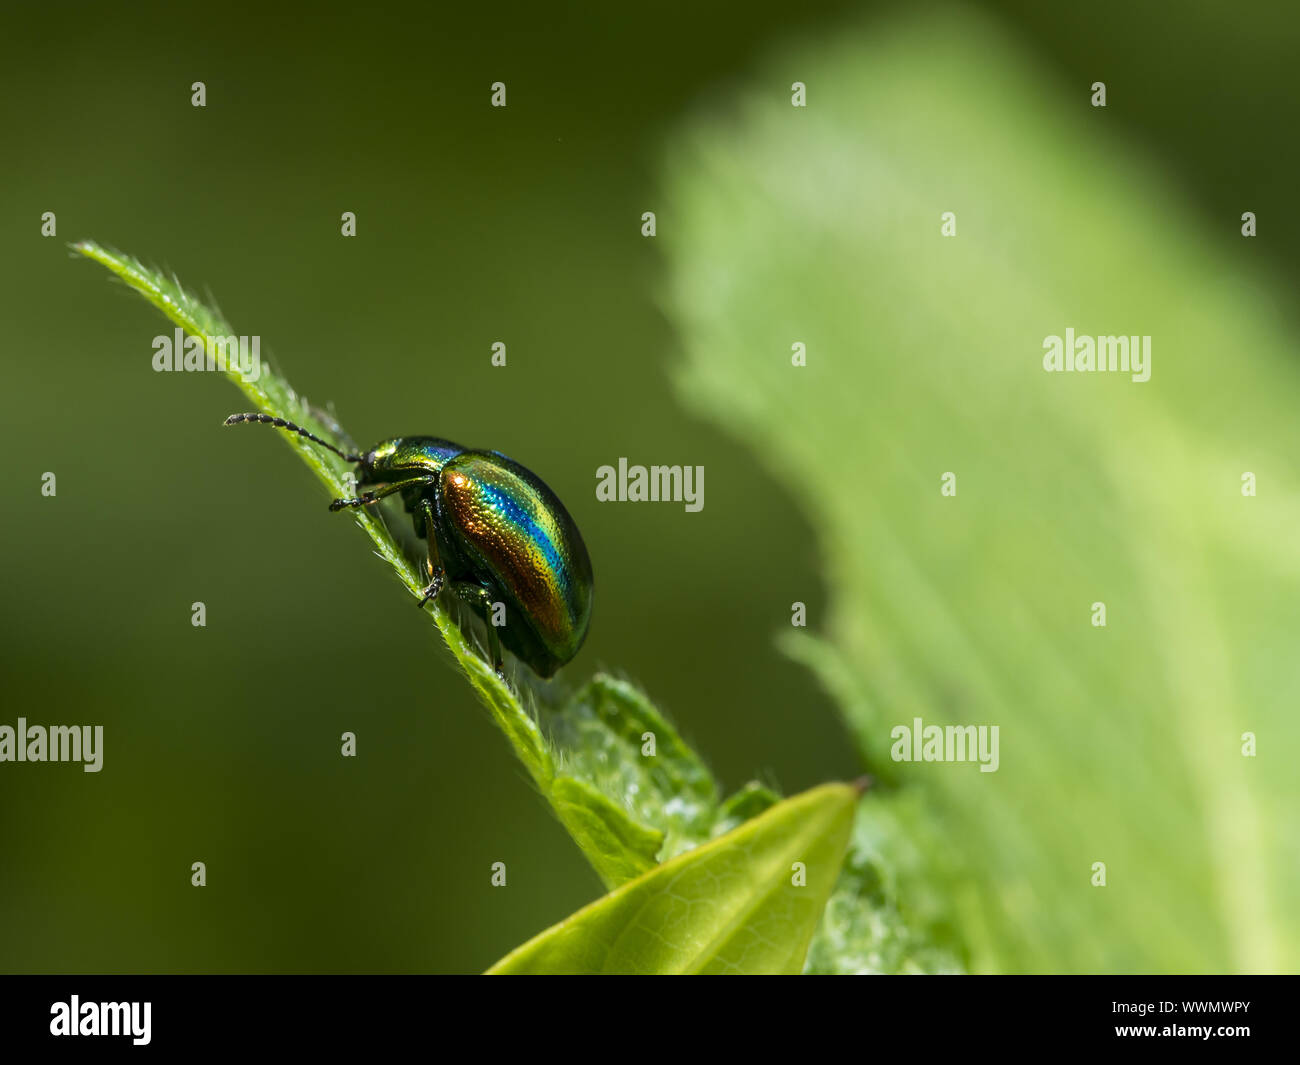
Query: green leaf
616, 773
619, 847
614, 737
749, 801
618, 804
728, 906
1122, 744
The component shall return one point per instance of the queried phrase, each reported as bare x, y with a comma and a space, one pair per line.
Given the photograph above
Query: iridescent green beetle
496, 535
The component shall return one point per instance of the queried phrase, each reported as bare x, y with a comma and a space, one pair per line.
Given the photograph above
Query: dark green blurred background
474, 225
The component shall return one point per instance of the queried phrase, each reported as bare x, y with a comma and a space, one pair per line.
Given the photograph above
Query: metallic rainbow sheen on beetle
495, 533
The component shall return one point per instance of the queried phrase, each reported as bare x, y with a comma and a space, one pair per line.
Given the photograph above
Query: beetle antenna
281, 423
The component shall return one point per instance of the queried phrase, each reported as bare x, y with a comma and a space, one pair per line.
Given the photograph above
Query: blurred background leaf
1119, 744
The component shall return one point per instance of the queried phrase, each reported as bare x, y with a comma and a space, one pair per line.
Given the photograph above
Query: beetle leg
433, 563
477, 594
372, 496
